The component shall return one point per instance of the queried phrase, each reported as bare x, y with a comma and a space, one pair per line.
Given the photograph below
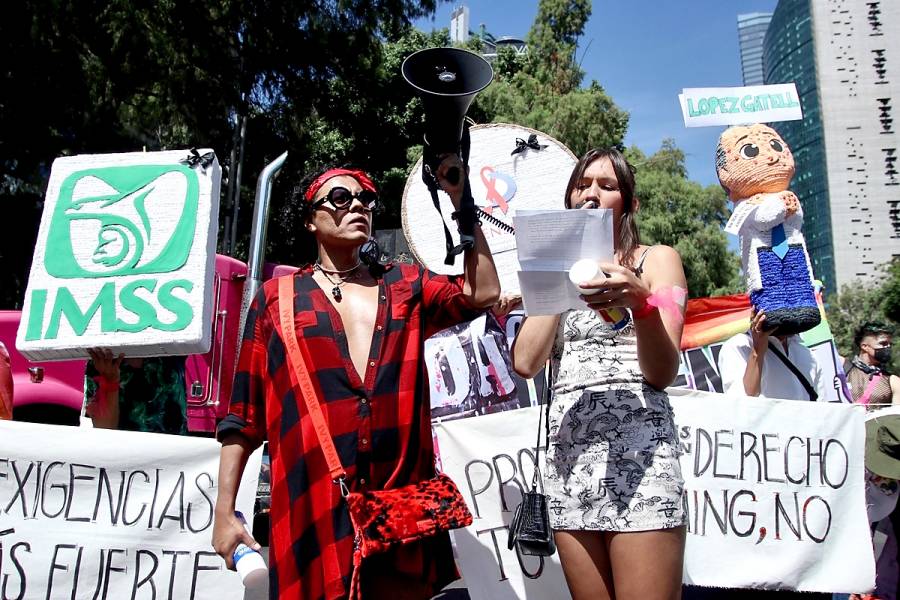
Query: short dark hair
871, 328
629, 239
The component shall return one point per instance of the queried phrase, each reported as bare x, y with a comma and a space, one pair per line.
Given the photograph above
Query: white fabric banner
774, 493
93, 513
702, 107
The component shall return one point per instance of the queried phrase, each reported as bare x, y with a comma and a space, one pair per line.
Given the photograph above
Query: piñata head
753, 159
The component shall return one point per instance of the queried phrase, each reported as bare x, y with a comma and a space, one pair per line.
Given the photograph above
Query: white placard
749, 525
93, 513
703, 107
502, 184
125, 257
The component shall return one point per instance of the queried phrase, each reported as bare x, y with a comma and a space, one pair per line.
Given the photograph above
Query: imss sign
124, 257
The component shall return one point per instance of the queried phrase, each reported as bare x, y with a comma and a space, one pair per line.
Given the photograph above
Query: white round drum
501, 183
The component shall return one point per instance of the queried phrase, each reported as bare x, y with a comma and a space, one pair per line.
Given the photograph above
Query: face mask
883, 355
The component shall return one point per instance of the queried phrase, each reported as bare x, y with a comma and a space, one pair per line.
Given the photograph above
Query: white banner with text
92, 513
774, 496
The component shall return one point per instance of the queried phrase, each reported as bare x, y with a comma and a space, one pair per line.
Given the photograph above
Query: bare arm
895, 389
533, 343
481, 285
228, 531
758, 347
104, 408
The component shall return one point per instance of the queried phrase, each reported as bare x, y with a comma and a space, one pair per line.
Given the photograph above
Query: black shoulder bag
529, 530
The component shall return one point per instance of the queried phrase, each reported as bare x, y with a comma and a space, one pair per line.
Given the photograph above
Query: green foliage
542, 90
858, 303
890, 292
687, 216
95, 77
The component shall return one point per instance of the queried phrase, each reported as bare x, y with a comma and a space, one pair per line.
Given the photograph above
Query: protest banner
510, 168
702, 107
90, 513
469, 370
124, 257
774, 496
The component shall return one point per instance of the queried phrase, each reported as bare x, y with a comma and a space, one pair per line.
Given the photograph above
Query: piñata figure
755, 166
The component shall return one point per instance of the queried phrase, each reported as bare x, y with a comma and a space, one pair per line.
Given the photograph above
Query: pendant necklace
343, 277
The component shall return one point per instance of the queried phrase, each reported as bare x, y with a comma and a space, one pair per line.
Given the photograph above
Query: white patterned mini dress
612, 456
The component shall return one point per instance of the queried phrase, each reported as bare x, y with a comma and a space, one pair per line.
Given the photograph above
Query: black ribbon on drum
523, 145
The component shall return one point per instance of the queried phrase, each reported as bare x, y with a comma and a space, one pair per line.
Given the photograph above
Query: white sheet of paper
549, 242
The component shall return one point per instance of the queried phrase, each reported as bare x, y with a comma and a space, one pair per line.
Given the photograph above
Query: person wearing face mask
360, 329
870, 383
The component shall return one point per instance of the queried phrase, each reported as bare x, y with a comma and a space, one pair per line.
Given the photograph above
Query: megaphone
447, 80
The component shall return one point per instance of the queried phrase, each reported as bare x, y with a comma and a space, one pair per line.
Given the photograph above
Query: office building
844, 57
751, 34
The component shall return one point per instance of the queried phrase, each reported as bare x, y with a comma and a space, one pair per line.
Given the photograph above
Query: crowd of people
361, 327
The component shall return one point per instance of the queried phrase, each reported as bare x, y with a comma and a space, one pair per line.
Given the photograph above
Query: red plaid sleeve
444, 303
247, 411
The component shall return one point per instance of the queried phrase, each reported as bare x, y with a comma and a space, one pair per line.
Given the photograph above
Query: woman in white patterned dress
612, 473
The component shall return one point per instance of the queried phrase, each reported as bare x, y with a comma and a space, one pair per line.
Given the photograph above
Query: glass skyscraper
790, 58
751, 33
843, 56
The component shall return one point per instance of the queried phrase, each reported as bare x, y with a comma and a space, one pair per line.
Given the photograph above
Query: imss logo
111, 222
123, 221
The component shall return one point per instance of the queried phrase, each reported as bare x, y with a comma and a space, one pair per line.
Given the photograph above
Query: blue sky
643, 52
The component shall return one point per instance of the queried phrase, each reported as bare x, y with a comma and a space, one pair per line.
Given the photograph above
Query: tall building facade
751, 34
844, 56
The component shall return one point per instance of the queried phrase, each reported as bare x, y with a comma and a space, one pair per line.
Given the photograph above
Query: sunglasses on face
341, 199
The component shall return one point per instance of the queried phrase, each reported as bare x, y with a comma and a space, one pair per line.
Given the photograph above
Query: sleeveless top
859, 381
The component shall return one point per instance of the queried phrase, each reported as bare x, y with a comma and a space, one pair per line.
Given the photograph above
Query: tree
860, 302
890, 291
542, 90
849, 309
687, 216
119, 75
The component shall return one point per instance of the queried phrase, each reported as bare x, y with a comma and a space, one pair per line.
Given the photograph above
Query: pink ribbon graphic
495, 199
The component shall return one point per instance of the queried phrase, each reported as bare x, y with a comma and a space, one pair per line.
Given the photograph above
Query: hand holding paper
549, 243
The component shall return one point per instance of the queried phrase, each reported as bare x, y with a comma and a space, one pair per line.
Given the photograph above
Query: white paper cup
584, 270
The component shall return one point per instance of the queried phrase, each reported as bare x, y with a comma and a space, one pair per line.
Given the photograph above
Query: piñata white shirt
777, 380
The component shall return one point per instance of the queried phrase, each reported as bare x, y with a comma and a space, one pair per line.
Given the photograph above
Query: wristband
643, 312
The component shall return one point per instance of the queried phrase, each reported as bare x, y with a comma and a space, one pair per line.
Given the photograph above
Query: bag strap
870, 389
537, 445
813, 395
297, 363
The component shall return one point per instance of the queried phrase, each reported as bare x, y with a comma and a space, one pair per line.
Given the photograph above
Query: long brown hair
628, 239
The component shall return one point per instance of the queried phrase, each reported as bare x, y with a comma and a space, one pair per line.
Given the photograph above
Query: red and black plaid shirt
380, 426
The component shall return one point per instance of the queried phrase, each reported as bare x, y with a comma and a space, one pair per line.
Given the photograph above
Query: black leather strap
813, 395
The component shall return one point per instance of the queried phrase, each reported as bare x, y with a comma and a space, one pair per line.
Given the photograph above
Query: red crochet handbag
381, 519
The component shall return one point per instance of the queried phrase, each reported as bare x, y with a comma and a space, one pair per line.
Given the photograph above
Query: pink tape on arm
669, 300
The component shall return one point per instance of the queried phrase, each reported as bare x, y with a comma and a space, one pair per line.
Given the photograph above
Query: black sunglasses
341, 198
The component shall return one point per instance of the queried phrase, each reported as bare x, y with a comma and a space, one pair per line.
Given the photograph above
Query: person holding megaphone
331, 373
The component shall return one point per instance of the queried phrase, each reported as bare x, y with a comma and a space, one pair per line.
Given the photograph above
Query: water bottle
250, 564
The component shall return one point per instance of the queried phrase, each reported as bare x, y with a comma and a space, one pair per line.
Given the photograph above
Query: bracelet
643, 312
466, 213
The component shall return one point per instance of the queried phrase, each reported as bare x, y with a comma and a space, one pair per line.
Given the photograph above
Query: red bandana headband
356, 174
